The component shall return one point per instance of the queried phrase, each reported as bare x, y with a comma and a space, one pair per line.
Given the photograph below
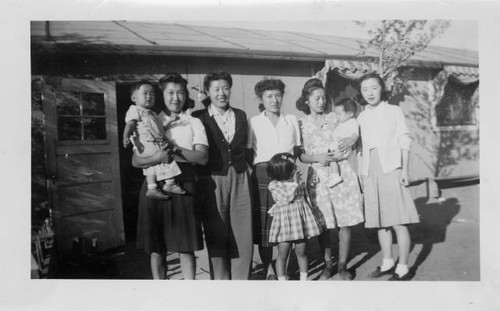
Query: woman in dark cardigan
174, 225
224, 183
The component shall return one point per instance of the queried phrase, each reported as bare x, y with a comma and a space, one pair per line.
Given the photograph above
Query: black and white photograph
274, 150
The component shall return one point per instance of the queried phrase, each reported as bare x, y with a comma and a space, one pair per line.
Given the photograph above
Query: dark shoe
156, 194
344, 274
378, 273
327, 273
272, 277
396, 277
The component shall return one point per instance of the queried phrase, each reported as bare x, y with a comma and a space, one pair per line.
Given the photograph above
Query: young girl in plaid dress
294, 219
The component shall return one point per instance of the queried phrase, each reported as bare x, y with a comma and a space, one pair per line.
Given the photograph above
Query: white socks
152, 186
282, 278
401, 269
170, 181
387, 263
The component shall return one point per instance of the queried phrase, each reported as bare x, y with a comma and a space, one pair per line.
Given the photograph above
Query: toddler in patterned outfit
348, 128
294, 219
147, 130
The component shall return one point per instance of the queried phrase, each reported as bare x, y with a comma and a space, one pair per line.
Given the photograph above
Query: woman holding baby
340, 203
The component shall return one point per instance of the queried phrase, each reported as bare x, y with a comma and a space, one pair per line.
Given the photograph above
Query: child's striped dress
293, 217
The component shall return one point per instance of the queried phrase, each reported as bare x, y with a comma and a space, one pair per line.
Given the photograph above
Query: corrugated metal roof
125, 37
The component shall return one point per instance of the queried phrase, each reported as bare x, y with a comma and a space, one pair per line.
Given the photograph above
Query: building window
459, 104
81, 116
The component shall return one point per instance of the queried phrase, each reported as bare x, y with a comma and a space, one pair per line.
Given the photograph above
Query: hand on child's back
325, 158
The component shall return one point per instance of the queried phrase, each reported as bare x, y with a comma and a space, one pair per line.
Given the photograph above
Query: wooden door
83, 163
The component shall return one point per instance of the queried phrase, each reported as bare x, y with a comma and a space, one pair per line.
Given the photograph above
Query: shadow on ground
129, 263
435, 217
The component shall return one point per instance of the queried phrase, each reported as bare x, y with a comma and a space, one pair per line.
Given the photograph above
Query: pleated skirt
387, 201
294, 221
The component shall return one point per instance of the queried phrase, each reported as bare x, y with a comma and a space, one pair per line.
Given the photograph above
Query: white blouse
187, 132
226, 122
383, 127
266, 140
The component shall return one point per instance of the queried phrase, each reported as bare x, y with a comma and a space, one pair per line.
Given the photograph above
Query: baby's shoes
157, 194
173, 188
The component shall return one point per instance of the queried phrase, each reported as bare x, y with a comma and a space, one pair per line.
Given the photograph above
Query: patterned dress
293, 217
341, 205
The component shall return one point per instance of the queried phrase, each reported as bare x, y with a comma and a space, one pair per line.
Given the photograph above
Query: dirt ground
445, 248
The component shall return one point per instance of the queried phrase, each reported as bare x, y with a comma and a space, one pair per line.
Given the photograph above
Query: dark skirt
172, 225
262, 202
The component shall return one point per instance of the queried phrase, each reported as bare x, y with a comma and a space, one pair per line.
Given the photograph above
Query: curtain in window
459, 102
463, 75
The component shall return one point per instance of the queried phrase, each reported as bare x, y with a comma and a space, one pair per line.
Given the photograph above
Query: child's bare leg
151, 181
283, 251
300, 252
172, 186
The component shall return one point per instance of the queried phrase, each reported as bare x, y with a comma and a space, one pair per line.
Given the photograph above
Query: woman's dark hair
174, 77
348, 104
281, 166
214, 76
268, 85
309, 87
372, 75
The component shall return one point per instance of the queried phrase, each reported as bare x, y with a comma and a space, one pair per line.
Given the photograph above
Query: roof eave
190, 51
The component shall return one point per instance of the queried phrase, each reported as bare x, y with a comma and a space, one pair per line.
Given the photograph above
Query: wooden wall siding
246, 73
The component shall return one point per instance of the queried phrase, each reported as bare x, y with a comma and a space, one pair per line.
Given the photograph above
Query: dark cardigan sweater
221, 155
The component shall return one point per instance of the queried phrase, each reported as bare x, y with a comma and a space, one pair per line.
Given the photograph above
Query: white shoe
173, 188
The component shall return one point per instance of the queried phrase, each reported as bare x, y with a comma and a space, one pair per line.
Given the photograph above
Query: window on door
81, 117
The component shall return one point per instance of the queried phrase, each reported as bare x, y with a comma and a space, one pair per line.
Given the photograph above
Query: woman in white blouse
174, 225
270, 133
385, 177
